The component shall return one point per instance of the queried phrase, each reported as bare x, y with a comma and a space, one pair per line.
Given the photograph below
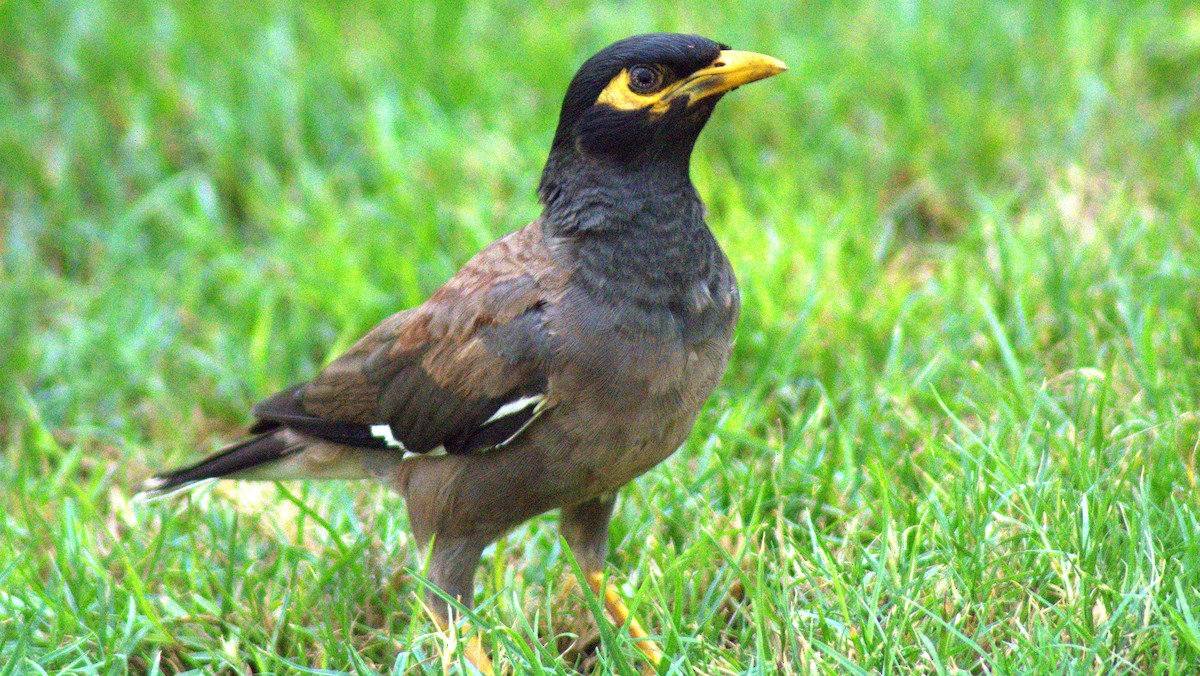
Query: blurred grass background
959, 432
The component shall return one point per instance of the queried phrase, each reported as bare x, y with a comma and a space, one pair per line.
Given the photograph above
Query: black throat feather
617, 196
635, 233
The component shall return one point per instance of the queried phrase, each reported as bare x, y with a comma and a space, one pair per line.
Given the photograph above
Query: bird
560, 363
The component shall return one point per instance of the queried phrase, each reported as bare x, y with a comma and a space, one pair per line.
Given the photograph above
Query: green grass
960, 429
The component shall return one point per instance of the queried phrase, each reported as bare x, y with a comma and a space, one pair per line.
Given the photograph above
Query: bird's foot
618, 612
472, 650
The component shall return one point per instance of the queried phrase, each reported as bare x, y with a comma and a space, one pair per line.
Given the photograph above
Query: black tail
239, 457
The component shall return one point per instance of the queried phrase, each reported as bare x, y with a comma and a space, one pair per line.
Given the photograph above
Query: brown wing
465, 370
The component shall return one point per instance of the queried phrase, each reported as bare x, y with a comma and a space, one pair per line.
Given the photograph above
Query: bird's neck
635, 234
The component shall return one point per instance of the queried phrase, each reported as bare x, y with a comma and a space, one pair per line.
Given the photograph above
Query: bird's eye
645, 79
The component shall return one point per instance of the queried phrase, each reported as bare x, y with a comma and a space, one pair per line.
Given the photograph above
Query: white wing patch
384, 432
518, 410
537, 411
438, 451
515, 406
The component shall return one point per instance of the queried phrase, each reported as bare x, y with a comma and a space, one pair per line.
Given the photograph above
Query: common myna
561, 362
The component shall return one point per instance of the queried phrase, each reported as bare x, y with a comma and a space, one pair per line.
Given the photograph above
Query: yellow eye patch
731, 69
617, 94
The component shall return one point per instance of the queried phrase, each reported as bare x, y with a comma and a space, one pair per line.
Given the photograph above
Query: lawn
959, 432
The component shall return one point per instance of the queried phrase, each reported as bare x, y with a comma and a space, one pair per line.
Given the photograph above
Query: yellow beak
731, 69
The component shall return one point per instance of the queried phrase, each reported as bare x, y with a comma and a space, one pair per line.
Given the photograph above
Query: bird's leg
585, 528
452, 567
614, 604
473, 650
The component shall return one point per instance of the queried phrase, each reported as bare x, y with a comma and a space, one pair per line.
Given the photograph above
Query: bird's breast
631, 378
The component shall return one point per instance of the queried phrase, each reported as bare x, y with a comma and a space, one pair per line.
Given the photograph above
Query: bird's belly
622, 403
627, 413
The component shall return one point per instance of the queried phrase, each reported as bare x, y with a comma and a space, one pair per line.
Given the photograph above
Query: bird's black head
642, 102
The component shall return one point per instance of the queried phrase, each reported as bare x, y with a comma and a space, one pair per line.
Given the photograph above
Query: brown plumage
562, 361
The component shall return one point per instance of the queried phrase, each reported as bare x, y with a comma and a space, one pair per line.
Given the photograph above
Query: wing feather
437, 375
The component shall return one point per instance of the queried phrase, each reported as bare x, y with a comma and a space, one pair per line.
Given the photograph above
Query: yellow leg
473, 650
477, 656
619, 614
